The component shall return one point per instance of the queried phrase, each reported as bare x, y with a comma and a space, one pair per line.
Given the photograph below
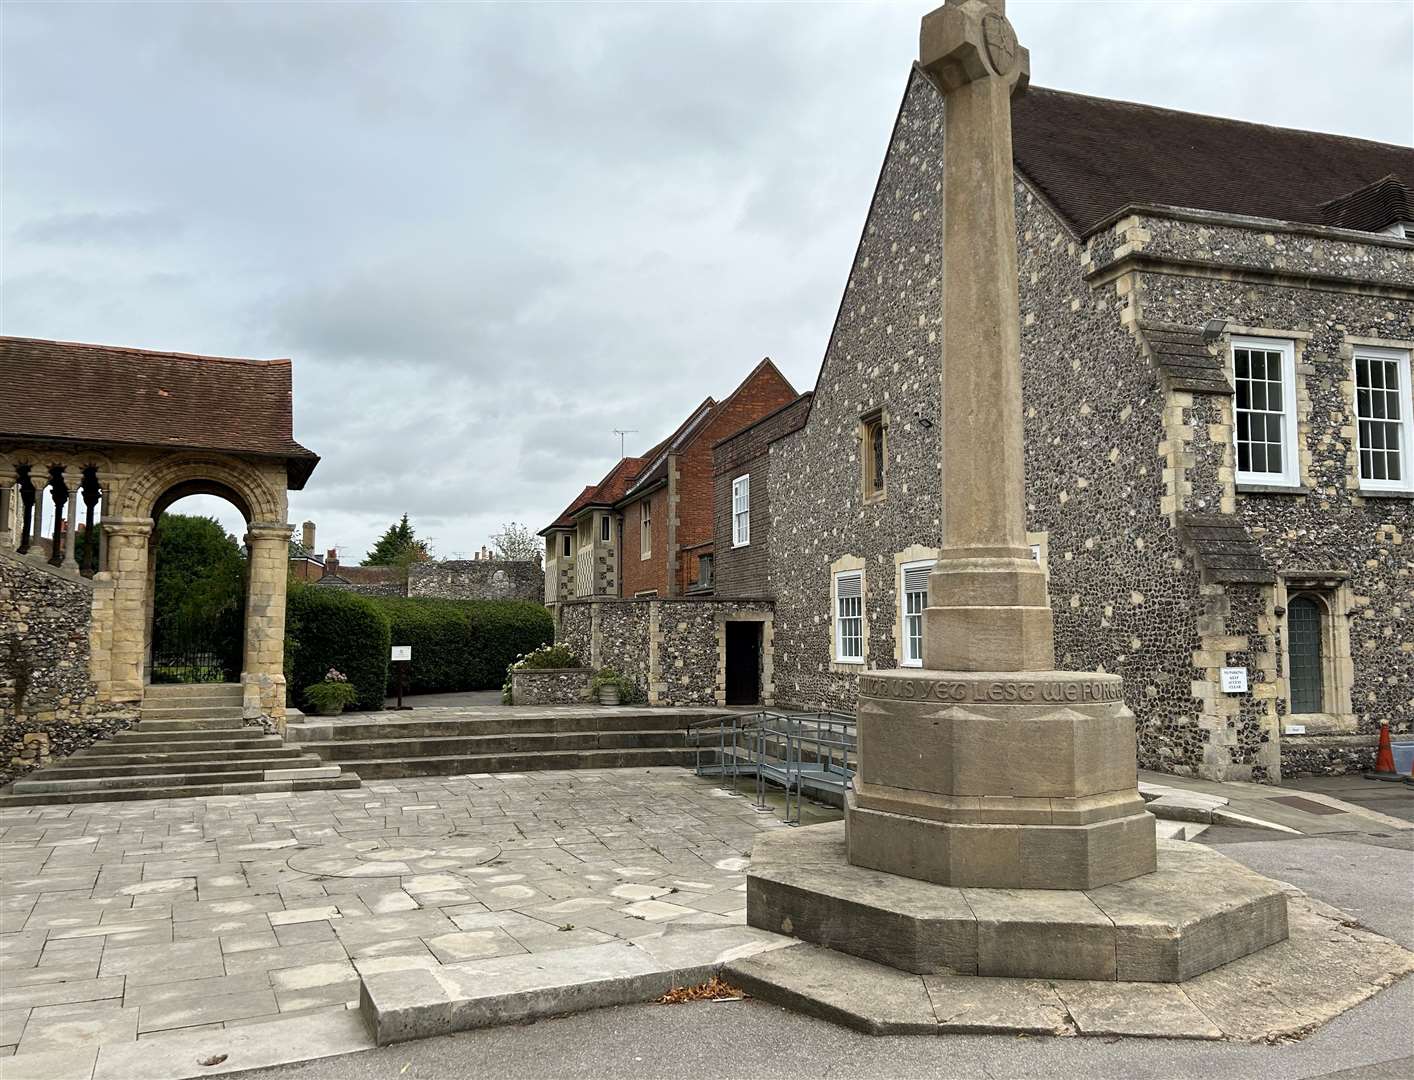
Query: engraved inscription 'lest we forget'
993, 691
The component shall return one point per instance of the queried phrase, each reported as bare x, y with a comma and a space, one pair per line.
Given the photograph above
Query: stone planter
608, 695
329, 710
550, 686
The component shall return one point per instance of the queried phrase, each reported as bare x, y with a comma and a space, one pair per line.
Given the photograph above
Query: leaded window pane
1303, 621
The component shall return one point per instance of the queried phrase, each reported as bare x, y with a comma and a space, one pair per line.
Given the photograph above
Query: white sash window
913, 598
1384, 431
849, 617
741, 511
1264, 411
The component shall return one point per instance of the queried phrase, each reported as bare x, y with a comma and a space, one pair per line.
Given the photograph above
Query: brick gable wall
640, 574
745, 571
763, 392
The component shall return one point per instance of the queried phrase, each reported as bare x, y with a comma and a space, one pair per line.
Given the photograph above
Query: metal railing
804, 753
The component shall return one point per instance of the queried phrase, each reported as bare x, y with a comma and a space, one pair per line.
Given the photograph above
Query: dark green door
1303, 622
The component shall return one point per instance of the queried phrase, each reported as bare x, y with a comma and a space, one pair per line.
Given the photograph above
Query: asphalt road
1371, 877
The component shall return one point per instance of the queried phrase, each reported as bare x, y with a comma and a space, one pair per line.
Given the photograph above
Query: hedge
462, 644
327, 628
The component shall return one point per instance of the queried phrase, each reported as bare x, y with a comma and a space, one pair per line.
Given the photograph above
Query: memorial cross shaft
988, 609
986, 768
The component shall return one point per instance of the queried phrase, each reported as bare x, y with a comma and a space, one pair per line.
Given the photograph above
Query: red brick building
646, 529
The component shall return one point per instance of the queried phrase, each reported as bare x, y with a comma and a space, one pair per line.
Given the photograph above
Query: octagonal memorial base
1198, 910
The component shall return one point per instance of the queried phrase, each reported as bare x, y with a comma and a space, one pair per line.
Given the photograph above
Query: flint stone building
1217, 324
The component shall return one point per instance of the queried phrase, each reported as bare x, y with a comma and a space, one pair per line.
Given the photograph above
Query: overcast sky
489, 235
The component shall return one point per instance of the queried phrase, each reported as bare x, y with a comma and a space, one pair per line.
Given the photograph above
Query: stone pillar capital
268, 532
115, 526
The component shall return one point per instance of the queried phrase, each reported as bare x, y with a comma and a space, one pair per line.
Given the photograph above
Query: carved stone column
71, 532
7, 515
263, 668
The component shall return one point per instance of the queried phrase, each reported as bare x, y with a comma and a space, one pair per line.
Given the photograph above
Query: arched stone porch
174, 425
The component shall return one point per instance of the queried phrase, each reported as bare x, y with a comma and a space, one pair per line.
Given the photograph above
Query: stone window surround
741, 515
847, 564
1350, 345
1333, 593
868, 493
645, 529
1293, 422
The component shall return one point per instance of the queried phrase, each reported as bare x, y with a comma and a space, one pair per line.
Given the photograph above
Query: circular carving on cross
1001, 42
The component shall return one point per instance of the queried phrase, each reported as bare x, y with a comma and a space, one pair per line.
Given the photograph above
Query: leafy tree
198, 602
200, 569
398, 546
516, 541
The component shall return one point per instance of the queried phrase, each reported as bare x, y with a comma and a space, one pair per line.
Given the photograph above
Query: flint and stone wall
48, 702
477, 579
1112, 457
550, 686
672, 648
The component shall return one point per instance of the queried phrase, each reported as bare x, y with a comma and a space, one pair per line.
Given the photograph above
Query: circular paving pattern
379, 858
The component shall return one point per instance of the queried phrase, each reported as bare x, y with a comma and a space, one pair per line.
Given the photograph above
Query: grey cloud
490, 234
92, 227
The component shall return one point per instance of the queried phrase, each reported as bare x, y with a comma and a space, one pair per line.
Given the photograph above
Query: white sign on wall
1294, 729
1234, 680
402, 652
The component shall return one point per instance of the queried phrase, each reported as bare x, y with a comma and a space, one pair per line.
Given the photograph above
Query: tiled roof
1225, 549
1092, 157
108, 394
1375, 206
656, 460
1183, 358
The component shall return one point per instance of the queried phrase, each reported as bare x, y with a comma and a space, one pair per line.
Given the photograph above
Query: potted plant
609, 687
332, 694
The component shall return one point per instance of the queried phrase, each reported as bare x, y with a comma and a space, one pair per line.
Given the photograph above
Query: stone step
230, 739
223, 723
48, 781
391, 768
90, 758
188, 791
228, 691
194, 711
510, 724
475, 745
100, 767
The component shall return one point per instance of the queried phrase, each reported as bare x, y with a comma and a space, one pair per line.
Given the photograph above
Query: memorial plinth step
1197, 911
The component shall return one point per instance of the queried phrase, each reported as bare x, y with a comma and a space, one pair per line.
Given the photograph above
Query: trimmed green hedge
327, 628
463, 644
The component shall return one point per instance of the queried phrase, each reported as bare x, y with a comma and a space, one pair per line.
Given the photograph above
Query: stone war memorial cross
995, 826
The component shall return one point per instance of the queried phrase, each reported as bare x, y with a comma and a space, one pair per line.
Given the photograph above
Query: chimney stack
307, 539
331, 562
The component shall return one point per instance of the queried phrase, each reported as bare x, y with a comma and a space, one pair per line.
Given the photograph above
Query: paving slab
1150, 1010
71, 1064
835, 986
234, 1049
976, 1005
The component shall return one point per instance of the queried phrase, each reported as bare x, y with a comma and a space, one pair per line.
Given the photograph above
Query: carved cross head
966, 40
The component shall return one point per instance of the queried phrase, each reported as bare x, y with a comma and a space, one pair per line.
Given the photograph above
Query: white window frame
741, 511
1290, 475
567, 547
1406, 426
605, 531
645, 529
837, 606
904, 615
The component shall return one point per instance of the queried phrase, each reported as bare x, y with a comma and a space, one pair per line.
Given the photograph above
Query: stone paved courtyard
164, 920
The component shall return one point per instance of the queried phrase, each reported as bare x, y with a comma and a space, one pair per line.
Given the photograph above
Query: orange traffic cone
1384, 758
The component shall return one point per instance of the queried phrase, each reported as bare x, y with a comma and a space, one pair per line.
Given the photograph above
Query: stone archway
257, 490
